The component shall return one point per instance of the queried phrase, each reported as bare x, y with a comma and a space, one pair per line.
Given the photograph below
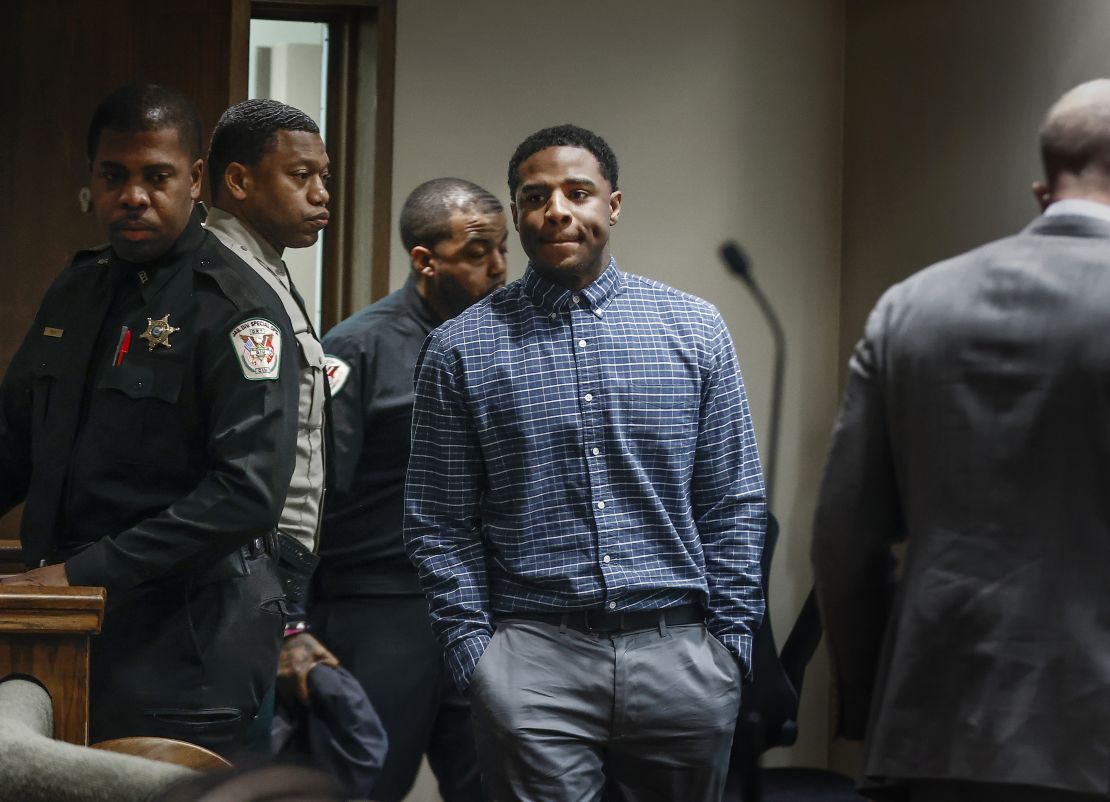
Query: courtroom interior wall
726, 118
943, 102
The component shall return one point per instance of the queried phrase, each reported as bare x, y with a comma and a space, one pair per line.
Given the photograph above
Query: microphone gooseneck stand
738, 263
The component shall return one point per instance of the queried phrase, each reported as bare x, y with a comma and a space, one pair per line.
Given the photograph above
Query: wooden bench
11, 559
166, 750
44, 634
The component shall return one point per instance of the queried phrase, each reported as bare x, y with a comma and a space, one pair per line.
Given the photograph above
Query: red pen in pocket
122, 347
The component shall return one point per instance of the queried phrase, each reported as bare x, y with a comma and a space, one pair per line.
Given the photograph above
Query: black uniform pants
387, 643
189, 660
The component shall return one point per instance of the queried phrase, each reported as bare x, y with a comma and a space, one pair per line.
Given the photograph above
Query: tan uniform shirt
301, 517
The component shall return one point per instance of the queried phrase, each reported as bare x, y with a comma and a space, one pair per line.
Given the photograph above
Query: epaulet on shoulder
89, 256
232, 283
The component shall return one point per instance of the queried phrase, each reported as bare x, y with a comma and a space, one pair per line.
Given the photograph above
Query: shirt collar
154, 275
248, 240
1078, 206
553, 298
419, 307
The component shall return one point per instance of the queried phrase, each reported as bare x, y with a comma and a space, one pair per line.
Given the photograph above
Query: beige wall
733, 120
726, 118
943, 102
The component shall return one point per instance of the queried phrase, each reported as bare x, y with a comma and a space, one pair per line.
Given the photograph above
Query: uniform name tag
337, 372
257, 343
50, 331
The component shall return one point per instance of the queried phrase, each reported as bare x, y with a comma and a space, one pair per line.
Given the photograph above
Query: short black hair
246, 131
426, 215
146, 107
565, 135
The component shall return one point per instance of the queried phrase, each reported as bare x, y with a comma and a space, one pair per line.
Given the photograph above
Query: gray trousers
559, 713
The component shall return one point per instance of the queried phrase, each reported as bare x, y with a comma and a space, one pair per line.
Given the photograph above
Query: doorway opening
288, 63
334, 60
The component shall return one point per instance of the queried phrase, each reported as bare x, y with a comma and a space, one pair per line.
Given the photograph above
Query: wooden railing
11, 560
44, 634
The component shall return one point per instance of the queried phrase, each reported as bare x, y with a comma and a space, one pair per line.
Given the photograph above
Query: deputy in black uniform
369, 607
149, 420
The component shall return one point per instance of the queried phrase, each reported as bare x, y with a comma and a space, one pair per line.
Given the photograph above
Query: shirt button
581, 343
612, 605
552, 316
595, 451
589, 396
597, 313
577, 299
606, 559
601, 505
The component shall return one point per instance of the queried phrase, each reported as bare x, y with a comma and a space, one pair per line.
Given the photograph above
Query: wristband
295, 628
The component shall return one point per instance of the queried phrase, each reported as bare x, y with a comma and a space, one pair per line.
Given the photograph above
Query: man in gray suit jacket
976, 427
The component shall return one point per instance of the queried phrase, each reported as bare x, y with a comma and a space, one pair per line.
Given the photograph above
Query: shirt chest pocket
659, 408
134, 411
47, 396
311, 405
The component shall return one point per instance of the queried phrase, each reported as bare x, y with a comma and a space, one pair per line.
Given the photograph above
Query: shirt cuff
88, 567
464, 656
741, 648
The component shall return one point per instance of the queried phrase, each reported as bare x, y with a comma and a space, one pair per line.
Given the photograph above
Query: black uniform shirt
371, 359
165, 460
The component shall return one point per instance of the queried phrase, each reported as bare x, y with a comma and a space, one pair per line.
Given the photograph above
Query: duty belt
257, 547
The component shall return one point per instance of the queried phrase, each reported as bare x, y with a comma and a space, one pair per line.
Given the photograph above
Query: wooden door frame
361, 64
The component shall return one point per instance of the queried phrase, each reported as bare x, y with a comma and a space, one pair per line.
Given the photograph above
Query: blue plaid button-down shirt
583, 449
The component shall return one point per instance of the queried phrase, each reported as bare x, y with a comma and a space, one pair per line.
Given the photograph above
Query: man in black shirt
369, 607
149, 422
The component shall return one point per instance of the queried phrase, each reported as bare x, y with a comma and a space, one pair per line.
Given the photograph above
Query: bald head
1075, 141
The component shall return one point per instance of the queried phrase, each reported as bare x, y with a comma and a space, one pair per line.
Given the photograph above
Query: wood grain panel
60, 58
11, 558
166, 750
44, 633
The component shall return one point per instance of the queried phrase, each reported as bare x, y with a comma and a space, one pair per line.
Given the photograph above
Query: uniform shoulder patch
337, 372
257, 344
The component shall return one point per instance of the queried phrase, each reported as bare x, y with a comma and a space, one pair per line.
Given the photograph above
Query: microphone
739, 265
737, 261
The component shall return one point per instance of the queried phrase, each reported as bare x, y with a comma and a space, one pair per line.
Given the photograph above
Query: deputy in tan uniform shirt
269, 187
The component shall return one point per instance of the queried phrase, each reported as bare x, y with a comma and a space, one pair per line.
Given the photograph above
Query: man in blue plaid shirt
585, 507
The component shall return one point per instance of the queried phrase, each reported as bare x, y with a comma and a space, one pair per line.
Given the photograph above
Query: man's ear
196, 172
614, 207
1042, 194
422, 260
237, 179
512, 208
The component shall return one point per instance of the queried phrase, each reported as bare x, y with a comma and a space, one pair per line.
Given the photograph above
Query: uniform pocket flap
48, 366
144, 381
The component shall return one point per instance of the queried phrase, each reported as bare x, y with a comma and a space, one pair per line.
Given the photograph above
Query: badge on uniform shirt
158, 332
337, 372
257, 343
